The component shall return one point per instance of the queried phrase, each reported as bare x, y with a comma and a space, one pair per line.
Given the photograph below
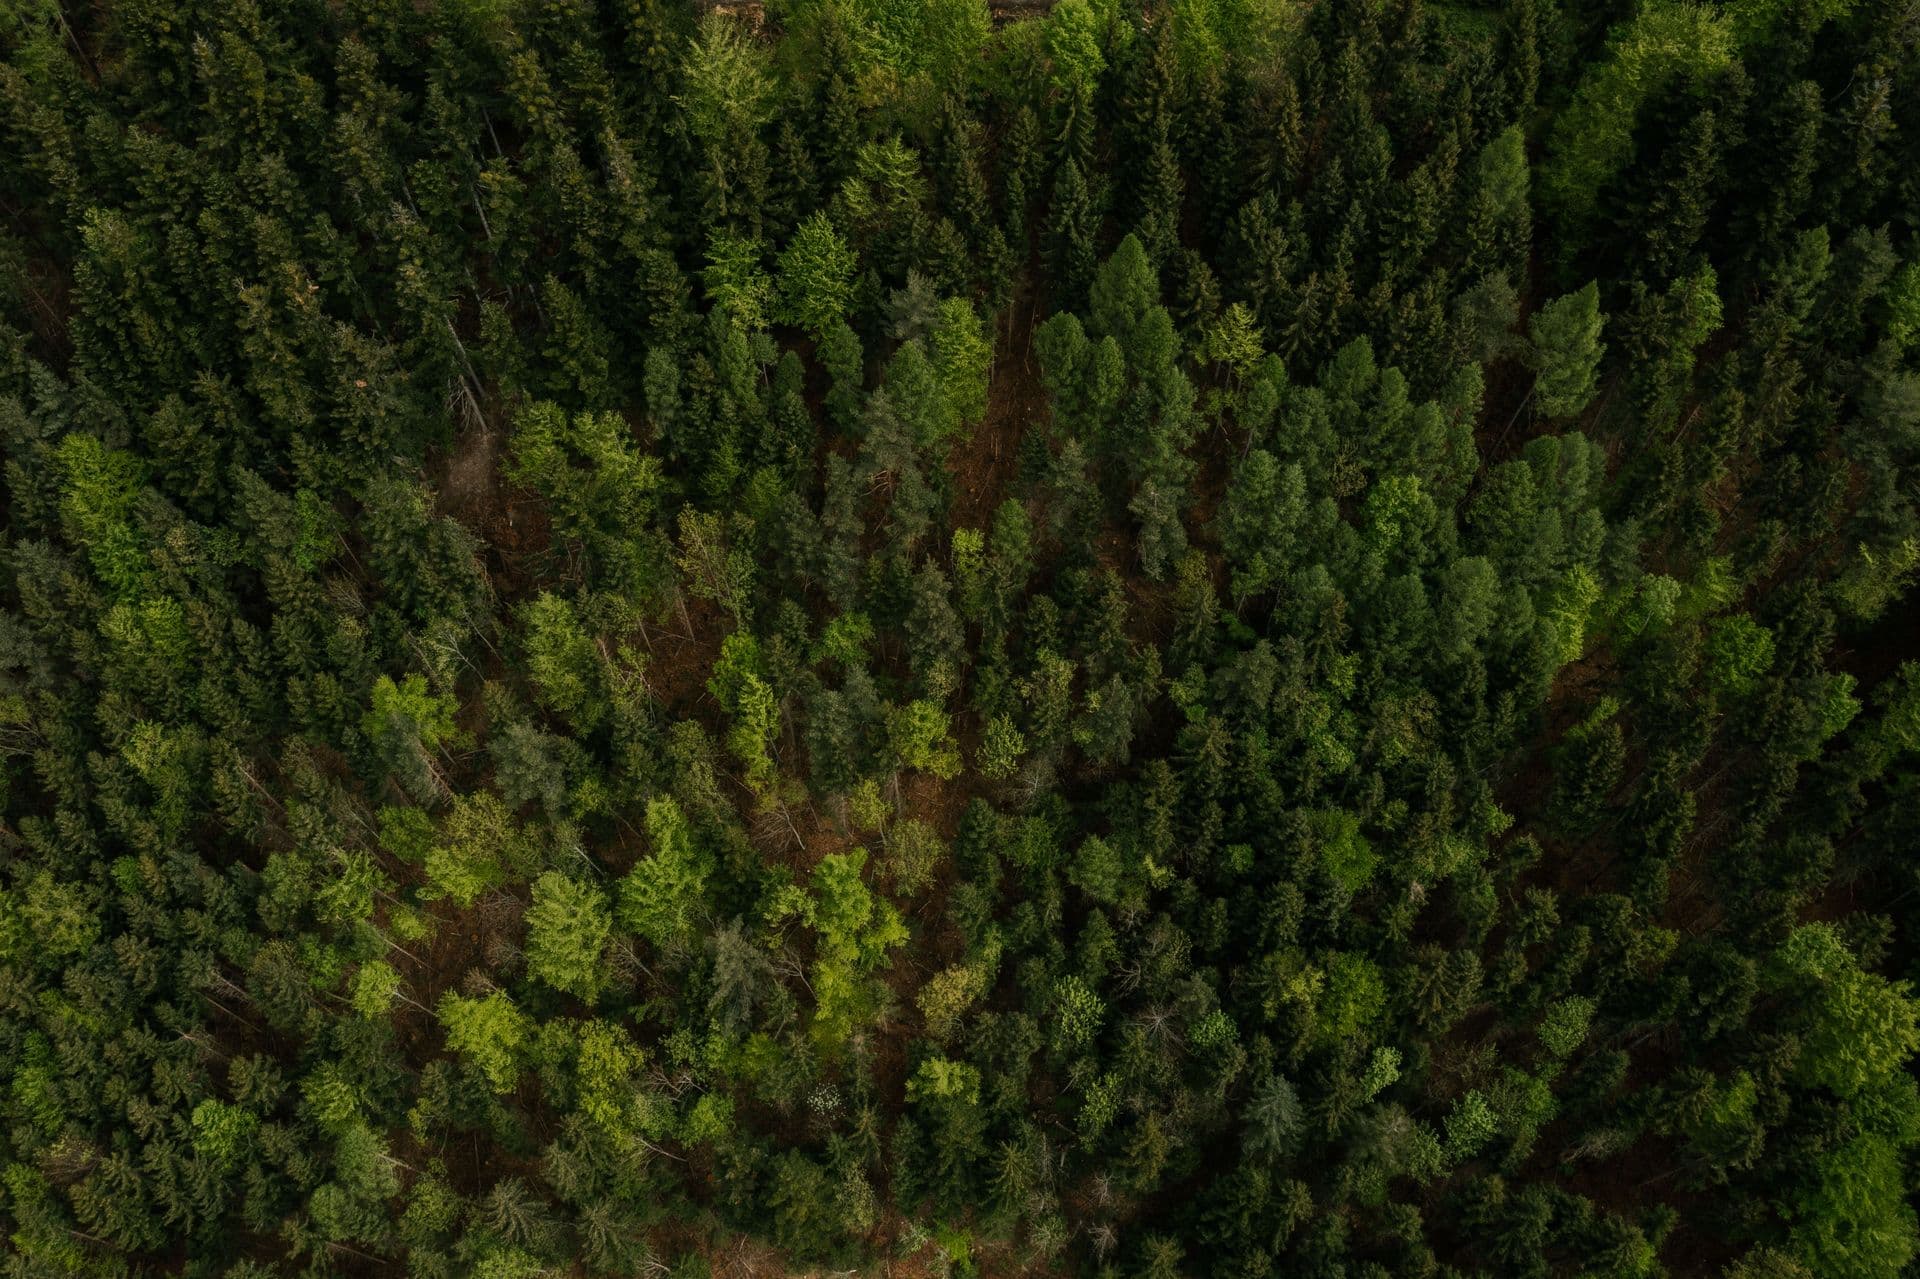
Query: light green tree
1078, 1013
962, 357
662, 896
855, 930
945, 1082
563, 661
816, 277
728, 90
600, 490
1593, 138
481, 846
1001, 746
1858, 1221
1564, 1028
1862, 1029
606, 1062
407, 726
920, 736
736, 278
491, 1032
1566, 351
568, 925
374, 987
1739, 652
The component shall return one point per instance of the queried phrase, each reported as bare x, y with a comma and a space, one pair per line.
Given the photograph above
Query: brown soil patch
680, 656
510, 521
935, 802
982, 465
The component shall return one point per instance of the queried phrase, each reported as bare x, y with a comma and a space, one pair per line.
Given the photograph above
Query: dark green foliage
1202, 639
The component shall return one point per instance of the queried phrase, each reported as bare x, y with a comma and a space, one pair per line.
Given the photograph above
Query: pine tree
661, 896
568, 926
816, 277
935, 638
1566, 352
1069, 241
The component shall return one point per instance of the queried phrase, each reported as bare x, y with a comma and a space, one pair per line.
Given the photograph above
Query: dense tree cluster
1211, 638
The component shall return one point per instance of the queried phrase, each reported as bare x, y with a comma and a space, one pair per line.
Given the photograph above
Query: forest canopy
1182, 639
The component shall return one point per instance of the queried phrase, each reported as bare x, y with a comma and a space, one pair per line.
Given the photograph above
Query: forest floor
983, 464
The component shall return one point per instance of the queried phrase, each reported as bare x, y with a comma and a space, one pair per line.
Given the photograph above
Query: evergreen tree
1566, 352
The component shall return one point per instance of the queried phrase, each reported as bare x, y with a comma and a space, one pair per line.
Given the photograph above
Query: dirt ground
982, 465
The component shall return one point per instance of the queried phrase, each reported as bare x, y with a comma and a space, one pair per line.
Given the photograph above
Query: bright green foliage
738, 685
1469, 1126
1903, 308
489, 1032
1672, 40
600, 491
222, 1132
1739, 652
1213, 1034
662, 897
1564, 1028
100, 493
374, 986
756, 720
919, 736
850, 919
1076, 1015
728, 91
334, 1099
914, 856
1383, 1071
709, 1120
605, 1063
816, 277
887, 181
406, 832
1345, 853
1871, 580
856, 929
480, 848
938, 1081
407, 713
949, 993
1861, 1027
1074, 56
736, 278
568, 925
1099, 1106
43, 921
1393, 511
962, 357
1566, 352
1858, 1223
1098, 870
1353, 998
563, 661
935, 41
1234, 341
